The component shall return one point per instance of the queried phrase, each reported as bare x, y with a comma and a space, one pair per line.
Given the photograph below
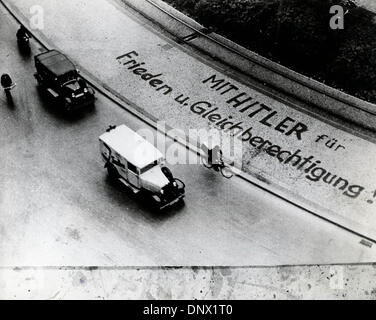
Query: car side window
132, 168
116, 159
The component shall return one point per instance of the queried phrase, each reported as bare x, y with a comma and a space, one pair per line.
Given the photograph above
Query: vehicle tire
148, 199
64, 105
39, 80
112, 172
181, 202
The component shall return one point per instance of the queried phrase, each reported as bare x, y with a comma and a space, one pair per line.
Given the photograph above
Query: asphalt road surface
58, 208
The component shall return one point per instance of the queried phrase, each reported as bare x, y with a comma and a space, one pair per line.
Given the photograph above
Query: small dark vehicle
58, 76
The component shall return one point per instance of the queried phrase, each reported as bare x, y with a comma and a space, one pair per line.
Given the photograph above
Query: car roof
131, 146
56, 62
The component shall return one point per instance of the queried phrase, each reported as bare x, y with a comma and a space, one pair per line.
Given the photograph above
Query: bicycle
220, 166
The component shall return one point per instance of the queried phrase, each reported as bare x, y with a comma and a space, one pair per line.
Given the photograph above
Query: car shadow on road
56, 110
140, 205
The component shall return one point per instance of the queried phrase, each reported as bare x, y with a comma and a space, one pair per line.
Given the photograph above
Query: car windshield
68, 82
68, 77
149, 166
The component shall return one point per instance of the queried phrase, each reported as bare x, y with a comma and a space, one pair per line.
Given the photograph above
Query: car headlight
86, 90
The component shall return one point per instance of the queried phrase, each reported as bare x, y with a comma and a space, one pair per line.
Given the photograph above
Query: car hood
154, 179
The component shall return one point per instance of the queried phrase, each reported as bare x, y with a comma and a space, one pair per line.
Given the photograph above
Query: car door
120, 164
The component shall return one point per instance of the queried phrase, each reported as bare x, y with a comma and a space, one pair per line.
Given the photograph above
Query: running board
130, 186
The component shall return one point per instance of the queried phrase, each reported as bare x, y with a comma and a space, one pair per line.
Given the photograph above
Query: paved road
57, 206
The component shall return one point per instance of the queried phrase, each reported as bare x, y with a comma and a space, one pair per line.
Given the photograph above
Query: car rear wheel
112, 172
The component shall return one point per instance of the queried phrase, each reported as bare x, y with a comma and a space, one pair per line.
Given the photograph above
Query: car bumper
172, 202
80, 105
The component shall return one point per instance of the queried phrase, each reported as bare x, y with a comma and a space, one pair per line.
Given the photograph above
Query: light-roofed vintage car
137, 164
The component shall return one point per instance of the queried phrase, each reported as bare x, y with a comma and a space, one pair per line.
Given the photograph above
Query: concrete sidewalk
314, 163
301, 282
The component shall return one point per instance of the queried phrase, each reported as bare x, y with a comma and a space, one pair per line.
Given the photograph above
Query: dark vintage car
58, 76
